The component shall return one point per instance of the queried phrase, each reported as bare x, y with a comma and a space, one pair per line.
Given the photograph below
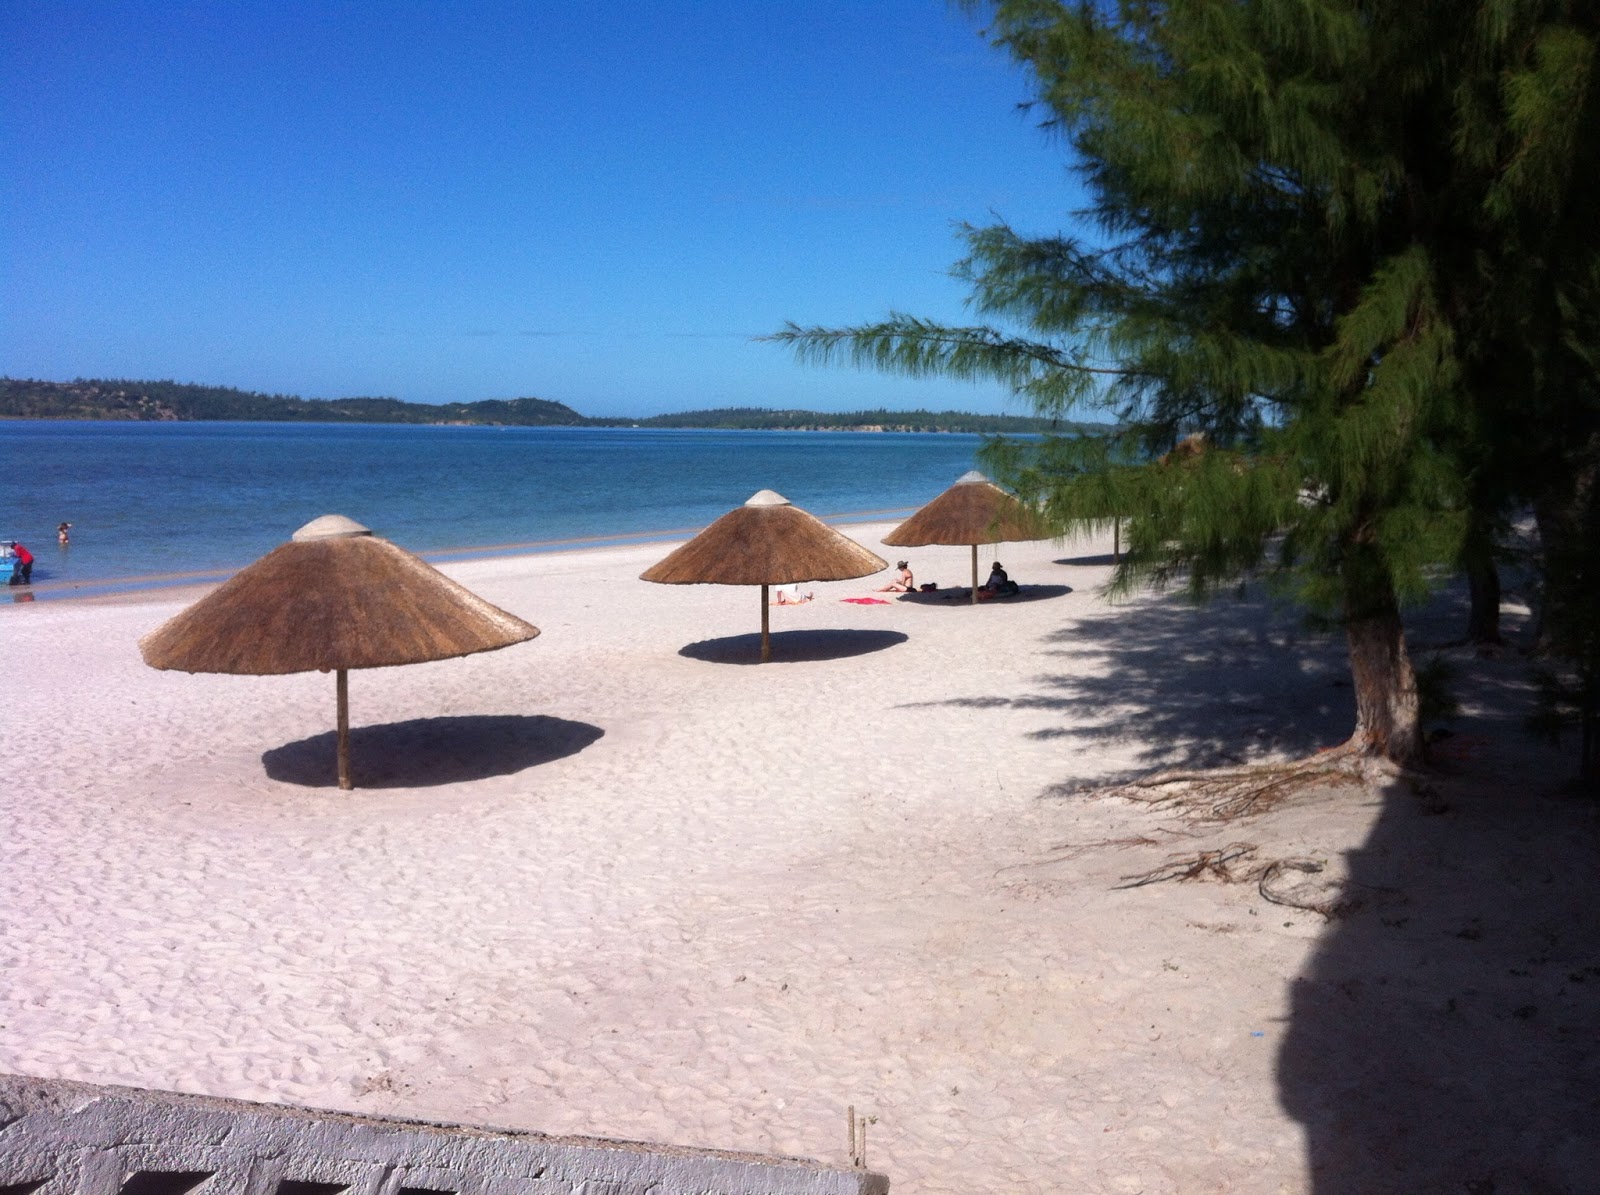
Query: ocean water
153, 500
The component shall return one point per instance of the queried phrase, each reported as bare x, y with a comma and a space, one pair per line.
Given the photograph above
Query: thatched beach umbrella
972, 511
335, 597
765, 542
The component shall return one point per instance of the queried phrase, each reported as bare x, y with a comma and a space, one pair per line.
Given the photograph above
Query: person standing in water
62, 536
24, 574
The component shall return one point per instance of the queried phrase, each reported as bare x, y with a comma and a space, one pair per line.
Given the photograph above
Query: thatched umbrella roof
335, 597
1191, 446
972, 511
767, 541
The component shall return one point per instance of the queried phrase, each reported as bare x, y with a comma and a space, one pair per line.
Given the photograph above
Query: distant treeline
879, 420
89, 399
182, 401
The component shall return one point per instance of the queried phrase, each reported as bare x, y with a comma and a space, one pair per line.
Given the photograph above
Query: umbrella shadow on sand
333, 599
1105, 558
767, 541
1028, 593
792, 646
425, 752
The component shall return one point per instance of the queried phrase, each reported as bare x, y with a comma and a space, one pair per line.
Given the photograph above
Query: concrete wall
59, 1138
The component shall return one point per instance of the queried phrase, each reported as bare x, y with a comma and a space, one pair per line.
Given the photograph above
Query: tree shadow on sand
1443, 1039
792, 647
425, 752
1443, 1035
1181, 685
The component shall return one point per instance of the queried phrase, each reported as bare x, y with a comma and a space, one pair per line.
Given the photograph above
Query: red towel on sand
867, 601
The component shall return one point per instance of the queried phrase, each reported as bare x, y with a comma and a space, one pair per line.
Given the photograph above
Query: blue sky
594, 203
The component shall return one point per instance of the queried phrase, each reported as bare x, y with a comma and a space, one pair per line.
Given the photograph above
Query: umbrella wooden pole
766, 614
342, 686
974, 574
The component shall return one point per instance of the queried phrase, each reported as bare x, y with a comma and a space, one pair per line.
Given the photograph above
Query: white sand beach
623, 881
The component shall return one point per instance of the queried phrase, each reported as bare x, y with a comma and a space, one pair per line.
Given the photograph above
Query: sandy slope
619, 881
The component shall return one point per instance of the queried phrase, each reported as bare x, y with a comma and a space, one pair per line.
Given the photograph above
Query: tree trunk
1483, 621
1387, 723
1483, 578
1567, 515
1547, 522
1589, 747
1569, 531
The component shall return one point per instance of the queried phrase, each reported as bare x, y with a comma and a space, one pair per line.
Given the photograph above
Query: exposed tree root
1227, 795
1064, 851
1071, 850
1204, 798
1272, 881
1216, 864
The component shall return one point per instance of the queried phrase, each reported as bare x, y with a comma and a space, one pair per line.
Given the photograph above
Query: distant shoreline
869, 429
150, 585
115, 400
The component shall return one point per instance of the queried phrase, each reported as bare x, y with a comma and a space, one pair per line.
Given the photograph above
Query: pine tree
1309, 216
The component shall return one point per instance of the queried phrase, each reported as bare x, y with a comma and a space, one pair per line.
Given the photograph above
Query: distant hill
180, 401
88, 399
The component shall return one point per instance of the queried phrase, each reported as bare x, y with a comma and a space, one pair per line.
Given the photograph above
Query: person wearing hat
999, 583
903, 582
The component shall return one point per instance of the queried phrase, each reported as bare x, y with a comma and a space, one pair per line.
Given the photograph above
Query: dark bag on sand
929, 587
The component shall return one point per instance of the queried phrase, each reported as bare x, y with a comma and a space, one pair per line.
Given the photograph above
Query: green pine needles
1328, 236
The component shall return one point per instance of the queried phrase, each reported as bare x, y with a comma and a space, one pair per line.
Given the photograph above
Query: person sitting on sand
903, 582
998, 584
790, 595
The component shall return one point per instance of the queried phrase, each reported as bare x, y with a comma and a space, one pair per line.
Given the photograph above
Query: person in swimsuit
903, 582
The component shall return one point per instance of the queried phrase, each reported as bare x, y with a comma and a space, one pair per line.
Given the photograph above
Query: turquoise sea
151, 502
